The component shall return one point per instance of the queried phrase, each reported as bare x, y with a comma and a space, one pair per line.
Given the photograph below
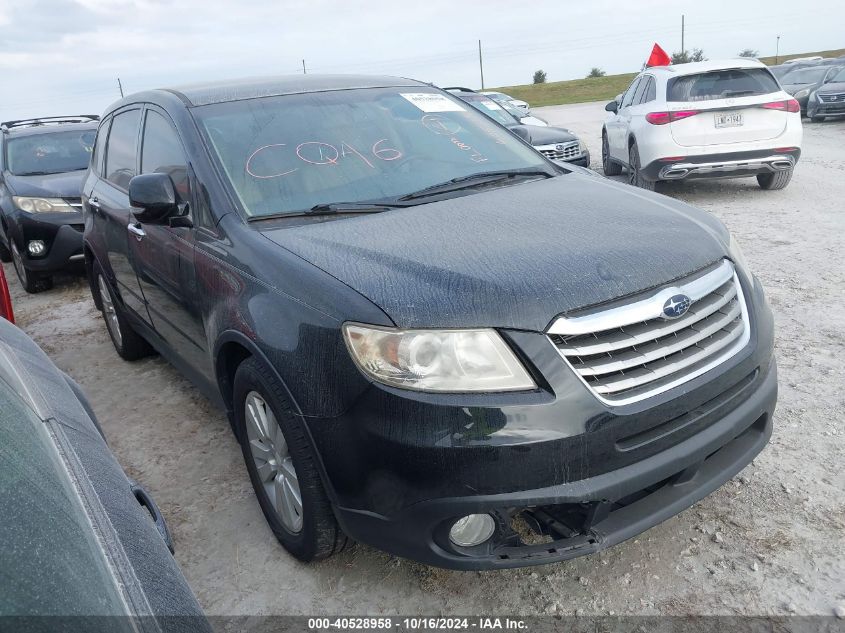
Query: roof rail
49, 120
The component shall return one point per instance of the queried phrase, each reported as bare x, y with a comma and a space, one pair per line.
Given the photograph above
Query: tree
749, 52
596, 72
685, 57
540, 77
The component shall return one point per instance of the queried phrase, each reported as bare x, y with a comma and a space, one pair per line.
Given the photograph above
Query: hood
66, 185
547, 135
839, 86
512, 257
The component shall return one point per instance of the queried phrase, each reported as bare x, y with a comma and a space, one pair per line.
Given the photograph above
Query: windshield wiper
38, 173
329, 208
473, 180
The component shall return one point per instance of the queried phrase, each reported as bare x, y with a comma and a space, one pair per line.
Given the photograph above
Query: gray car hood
512, 257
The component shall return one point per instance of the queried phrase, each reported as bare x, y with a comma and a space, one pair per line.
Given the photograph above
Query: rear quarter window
722, 84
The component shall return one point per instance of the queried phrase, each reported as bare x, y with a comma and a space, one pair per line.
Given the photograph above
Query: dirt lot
770, 542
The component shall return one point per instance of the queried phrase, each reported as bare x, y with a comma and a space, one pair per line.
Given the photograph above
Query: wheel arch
231, 349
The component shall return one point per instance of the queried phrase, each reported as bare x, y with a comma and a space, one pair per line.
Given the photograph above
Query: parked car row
553, 142
414, 319
817, 83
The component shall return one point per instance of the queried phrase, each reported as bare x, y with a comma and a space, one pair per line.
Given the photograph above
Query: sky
65, 56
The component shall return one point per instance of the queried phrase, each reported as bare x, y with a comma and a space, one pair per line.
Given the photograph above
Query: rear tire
30, 281
280, 460
128, 344
776, 180
609, 167
635, 176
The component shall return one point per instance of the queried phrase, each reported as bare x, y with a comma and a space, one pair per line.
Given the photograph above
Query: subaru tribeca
713, 119
43, 162
428, 337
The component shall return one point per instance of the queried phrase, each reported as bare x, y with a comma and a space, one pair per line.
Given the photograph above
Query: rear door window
650, 92
722, 84
121, 159
99, 147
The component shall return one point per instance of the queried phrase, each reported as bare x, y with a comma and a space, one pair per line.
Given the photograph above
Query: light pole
777, 50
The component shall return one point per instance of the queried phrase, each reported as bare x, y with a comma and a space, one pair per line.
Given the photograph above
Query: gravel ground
772, 541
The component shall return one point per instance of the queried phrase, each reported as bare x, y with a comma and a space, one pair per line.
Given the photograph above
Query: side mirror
154, 197
612, 107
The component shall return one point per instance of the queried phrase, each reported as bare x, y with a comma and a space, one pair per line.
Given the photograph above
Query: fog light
36, 248
472, 529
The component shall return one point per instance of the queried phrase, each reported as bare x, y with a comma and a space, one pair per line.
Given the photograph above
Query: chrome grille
630, 352
839, 97
561, 151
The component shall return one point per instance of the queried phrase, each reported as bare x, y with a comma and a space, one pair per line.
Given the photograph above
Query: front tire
609, 167
776, 180
282, 466
635, 176
128, 344
31, 282
5, 253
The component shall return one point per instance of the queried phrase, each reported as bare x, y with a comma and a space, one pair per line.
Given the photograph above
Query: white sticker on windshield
490, 105
432, 102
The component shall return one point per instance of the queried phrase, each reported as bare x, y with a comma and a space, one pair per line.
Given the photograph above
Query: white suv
714, 119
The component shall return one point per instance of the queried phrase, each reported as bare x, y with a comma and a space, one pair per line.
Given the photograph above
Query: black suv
43, 163
428, 337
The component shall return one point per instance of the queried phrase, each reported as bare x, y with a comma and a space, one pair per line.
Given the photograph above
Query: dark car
828, 99
427, 335
80, 541
803, 81
553, 142
42, 163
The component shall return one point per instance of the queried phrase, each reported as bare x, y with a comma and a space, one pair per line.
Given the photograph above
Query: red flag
658, 57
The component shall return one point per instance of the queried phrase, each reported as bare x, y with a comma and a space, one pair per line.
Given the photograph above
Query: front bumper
581, 517
818, 108
733, 165
60, 232
401, 468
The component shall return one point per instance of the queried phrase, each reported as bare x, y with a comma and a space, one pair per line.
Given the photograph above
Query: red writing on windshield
265, 162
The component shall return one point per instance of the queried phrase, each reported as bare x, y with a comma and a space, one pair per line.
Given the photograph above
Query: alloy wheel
109, 311
273, 462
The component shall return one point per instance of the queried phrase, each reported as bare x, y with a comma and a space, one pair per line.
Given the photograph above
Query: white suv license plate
729, 119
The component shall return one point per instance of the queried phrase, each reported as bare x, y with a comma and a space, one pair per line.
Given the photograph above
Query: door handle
136, 230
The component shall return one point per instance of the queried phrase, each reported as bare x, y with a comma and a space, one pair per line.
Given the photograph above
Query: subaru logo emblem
559, 148
676, 306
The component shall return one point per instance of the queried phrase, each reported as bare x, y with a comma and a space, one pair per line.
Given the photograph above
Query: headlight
436, 360
802, 93
739, 259
42, 205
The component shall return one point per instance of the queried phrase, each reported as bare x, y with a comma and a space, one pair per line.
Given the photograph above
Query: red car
5, 299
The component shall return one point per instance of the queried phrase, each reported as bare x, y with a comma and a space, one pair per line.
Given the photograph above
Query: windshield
722, 84
288, 154
805, 76
51, 153
840, 76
